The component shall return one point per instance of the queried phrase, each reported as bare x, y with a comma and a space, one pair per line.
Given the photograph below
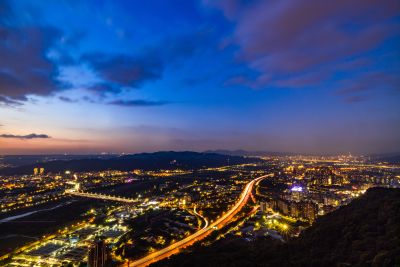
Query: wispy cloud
6, 101
67, 99
138, 103
28, 136
355, 99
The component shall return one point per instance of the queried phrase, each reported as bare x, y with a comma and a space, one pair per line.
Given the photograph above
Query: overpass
99, 196
200, 234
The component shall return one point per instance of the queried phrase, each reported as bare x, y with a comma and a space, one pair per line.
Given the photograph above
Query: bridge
99, 196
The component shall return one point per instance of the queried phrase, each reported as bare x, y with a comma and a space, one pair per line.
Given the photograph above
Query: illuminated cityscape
144, 216
196, 133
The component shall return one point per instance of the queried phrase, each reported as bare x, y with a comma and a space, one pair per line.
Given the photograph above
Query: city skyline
126, 76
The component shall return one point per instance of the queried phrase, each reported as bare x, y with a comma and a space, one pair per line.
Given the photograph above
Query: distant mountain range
145, 161
21, 160
390, 158
241, 152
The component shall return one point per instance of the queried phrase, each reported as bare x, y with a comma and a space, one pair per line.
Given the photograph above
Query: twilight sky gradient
306, 76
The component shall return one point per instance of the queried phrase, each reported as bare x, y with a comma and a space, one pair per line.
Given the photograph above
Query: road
200, 234
202, 217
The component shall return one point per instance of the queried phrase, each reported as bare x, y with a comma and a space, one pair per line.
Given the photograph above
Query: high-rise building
35, 171
41, 170
283, 206
264, 206
310, 211
97, 254
295, 209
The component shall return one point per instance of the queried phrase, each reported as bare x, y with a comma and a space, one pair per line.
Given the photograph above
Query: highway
200, 234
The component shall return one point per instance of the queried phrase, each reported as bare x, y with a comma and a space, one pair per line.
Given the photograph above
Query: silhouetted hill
241, 152
146, 161
364, 233
21, 160
393, 158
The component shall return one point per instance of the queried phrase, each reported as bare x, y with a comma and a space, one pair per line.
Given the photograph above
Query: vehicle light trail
201, 216
200, 234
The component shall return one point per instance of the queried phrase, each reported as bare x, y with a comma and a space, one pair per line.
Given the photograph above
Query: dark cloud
355, 89
131, 71
29, 136
124, 70
30, 57
67, 99
24, 67
6, 101
301, 81
293, 37
138, 103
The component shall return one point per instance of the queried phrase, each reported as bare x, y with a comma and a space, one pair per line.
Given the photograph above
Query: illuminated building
41, 170
310, 211
36, 171
97, 254
297, 192
264, 206
295, 209
186, 200
283, 206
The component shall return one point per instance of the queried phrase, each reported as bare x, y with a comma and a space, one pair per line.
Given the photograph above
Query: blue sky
132, 76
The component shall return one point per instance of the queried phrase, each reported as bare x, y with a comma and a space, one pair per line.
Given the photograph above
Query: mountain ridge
145, 161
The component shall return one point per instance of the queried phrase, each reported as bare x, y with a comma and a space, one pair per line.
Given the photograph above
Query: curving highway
202, 217
200, 234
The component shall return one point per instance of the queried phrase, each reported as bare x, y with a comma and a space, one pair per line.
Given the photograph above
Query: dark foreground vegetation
364, 233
